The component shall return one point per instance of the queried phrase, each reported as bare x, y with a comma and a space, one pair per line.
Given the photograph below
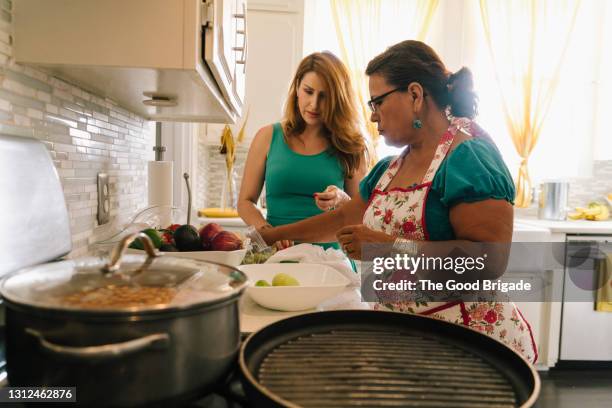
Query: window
574, 131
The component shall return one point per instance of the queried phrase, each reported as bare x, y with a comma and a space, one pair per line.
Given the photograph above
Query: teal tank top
293, 178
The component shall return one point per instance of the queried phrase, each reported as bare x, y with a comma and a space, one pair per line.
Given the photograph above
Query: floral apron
401, 212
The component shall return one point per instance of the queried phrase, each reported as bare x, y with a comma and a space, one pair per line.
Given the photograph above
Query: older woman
449, 184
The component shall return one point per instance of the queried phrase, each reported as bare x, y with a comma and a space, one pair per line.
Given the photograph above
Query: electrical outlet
103, 199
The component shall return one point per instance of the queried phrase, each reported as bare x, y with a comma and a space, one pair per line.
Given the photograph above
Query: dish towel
603, 299
308, 253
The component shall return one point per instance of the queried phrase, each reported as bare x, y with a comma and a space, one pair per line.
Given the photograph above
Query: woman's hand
352, 237
278, 244
330, 199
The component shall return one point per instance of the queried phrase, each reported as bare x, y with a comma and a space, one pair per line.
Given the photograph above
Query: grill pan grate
371, 368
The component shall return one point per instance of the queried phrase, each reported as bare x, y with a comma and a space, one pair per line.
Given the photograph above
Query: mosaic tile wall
212, 163
85, 135
593, 189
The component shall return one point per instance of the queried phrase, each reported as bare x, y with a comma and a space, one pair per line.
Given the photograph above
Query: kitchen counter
569, 227
224, 222
253, 317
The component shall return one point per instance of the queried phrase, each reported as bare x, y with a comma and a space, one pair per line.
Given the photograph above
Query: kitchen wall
212, 164
85, 134
583, 191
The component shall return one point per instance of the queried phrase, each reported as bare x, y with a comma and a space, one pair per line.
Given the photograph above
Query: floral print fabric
401, 212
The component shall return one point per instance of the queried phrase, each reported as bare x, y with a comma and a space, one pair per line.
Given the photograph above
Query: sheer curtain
575, 130
365, 28
527, 63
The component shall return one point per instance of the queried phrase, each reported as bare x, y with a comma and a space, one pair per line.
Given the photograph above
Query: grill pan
357, 358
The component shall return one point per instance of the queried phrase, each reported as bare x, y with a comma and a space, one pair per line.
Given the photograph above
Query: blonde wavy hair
341, 121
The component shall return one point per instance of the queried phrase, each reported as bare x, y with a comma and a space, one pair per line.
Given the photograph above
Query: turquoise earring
417, 124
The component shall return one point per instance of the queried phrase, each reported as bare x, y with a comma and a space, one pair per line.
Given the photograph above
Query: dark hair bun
462, 99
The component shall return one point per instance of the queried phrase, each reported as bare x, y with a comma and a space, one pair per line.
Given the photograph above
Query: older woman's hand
278, 244
352, 237
330, 199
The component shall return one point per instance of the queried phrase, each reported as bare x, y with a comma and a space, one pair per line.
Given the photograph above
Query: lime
153, 234
282, 279
262, 282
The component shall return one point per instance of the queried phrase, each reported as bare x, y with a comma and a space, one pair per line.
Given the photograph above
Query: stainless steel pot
130, 352
553, 201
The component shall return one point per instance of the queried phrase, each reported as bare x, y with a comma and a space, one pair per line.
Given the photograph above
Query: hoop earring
417, 124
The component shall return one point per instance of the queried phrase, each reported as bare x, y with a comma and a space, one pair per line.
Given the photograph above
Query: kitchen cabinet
166, 60
275, 48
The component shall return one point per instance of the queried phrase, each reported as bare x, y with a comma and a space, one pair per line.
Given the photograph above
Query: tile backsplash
584, 191
212, 164
85, 135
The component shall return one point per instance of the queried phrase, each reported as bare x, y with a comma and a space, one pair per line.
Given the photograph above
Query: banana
594, 212
603, 215
578, 215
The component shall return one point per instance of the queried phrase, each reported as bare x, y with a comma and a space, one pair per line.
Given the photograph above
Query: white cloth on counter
308, 253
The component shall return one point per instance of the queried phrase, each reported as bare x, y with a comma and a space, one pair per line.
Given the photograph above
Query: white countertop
522, 226
569, 227
253, 317
235, 222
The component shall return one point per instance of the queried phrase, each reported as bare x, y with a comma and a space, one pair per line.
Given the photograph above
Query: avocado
168, 248
187, 238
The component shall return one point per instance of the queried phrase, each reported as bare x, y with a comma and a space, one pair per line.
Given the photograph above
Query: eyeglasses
376, 102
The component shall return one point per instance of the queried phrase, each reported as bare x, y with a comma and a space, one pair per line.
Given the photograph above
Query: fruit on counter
186, 238
262, 283
173, 227
218, 213
254, 257
168, 248
594, 212
208, 232
282, 279
153, 234
226, 241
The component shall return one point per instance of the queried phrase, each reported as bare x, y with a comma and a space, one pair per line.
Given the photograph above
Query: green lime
282, 279
151, 233
262, 282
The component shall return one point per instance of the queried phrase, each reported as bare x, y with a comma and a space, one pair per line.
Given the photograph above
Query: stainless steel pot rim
162, 312
213, 283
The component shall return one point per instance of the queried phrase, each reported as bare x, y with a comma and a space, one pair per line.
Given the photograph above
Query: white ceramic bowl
231, 258
317, 284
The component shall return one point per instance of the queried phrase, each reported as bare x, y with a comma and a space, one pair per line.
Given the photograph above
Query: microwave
166, 60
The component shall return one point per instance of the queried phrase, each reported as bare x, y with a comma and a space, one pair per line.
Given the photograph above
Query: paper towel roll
160, 183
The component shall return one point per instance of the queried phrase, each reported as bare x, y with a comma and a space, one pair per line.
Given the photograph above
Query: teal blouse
473, 171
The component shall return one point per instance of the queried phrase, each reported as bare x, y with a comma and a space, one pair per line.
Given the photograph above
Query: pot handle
103, 352
115, 258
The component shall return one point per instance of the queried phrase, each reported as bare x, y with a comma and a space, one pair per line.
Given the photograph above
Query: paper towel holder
158, 148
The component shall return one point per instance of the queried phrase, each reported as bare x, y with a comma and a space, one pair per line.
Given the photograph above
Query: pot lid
130, 283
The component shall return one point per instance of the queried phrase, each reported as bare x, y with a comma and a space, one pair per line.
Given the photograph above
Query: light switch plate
103, 199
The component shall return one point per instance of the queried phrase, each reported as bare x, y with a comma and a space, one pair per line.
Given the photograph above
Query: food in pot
113, 296
282, 279
262, 282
